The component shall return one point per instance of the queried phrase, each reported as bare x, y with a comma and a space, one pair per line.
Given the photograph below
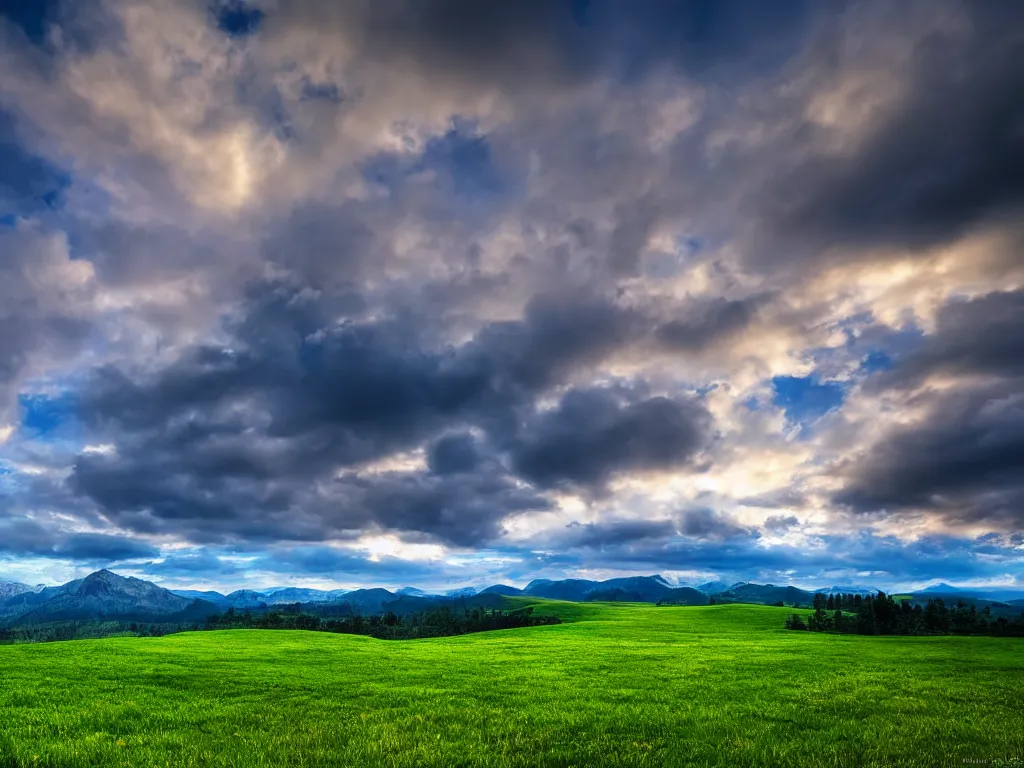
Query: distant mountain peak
411, 592
105, 594
942, 587
11, 588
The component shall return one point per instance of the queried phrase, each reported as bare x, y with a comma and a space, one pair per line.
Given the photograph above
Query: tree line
438, 622
882, 614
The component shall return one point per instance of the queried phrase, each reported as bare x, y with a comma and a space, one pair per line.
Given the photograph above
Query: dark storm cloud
451, 454
593, 435
328, 561
465, 510
200, 564
555, 44
965, 458
705, 523
409, 171
380, 382
233, 441
100, 546
27, 538
709, 321
613, 533
979, 336
909, 182
693, 525
558, 335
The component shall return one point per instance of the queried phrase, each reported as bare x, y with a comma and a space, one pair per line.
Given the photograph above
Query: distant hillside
765, 594
412, 592
567, 589
12, 608
646, 589
635, 589
243, 599
208, 595
1001, 594
283, 595
246, 598
105, 595
996, 607
713, 587
373, 600
12, 588
501, 589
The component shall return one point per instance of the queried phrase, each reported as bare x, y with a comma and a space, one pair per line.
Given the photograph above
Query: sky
453, 293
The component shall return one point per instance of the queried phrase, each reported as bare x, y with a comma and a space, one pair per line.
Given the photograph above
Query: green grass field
618, 685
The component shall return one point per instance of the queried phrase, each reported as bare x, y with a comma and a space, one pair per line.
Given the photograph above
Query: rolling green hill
618, 684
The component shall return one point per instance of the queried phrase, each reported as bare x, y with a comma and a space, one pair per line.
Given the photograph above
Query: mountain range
12, 588
104, 595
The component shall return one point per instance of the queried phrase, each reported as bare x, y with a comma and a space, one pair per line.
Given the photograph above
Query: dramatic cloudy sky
449, 292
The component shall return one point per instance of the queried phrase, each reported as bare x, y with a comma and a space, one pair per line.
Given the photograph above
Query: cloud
780, 524
614, 532
45, 299
451, 454
27, 538
233, 441
972, 337
961, 459
201, 564
329, 561
591, 436
963, 462
462, 276
896, 184
704, 523
708, 322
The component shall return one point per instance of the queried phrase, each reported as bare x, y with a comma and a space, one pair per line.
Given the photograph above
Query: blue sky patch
875, 360
466, 159
31, 16
238, 18
43, 415
805, 399
28, 183
460, 159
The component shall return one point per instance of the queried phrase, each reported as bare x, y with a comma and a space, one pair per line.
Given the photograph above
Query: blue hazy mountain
639, 589
501, 589
105, 595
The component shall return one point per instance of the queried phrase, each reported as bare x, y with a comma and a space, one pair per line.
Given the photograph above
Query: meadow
617, 685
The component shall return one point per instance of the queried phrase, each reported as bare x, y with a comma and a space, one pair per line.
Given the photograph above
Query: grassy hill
618, 684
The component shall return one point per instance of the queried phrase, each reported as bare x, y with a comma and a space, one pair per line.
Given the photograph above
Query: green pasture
617, 684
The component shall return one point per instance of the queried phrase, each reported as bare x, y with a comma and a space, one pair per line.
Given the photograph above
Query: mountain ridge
106, 595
